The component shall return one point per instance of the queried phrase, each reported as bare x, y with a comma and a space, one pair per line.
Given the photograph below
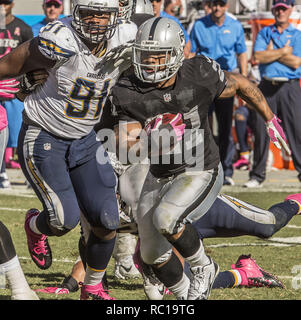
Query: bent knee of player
106, 216
61, 221
152, 256
103, 233
267, 231
165, 219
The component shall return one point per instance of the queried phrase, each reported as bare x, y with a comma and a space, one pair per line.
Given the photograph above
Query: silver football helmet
125, 9
158, 36
143, 6
94, 32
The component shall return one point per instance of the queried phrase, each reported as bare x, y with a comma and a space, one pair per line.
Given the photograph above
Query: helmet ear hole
158, 35
99, 29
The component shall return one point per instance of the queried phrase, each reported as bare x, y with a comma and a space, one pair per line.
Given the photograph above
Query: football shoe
252, 275
27, 295
126, 269
38, 246
68, 285
296, 198
202, 280
96, 292
154, 289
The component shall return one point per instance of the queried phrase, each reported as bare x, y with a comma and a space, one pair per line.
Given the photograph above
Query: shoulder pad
57, 41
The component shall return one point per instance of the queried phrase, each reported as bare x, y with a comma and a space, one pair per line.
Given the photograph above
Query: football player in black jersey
168, 94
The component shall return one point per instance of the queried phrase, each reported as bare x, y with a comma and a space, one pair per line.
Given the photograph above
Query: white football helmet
143, 6
94, 32
125, 9
158, 36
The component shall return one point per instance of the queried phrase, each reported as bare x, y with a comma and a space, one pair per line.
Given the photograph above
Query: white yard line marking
259, 244
292, 240
12, 209
292, 226
66, 260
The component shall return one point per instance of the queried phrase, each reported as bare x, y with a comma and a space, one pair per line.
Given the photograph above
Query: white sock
237, 277
199, 258
93, 277
180, 289
33, 225
15, 276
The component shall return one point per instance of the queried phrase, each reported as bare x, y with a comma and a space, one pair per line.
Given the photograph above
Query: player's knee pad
150, 255
164, 219
61, 223
103, 233
188, 243
106, 214
7, 249
58, 232
171, 272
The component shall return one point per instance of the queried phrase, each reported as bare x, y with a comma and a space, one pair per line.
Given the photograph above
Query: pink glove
178, 126
174, 120
277, 135
8, 88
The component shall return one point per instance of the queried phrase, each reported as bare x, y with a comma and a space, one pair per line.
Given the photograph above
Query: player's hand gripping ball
164, 131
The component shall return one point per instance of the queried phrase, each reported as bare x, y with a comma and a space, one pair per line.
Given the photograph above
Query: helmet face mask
155, 64
158, 51
125, 9
95, 20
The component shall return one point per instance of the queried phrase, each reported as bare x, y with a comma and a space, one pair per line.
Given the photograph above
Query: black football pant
224, 114
284, 100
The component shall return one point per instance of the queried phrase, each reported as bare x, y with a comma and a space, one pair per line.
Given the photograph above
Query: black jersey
199, 81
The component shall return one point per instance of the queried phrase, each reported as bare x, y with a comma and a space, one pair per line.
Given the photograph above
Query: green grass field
282, 259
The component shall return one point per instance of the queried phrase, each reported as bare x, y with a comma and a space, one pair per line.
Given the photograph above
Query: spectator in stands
221, 38
170, 5
207, 7
173, 7
52, 9
13, 32
278, 50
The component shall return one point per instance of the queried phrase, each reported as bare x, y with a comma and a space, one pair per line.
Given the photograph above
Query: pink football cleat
38, 246
254, 276
53, 290
96, 292
296, 198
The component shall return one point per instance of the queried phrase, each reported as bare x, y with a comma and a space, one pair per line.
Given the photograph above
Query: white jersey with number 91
70, 102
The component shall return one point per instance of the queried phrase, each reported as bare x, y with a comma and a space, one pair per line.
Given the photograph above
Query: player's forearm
268, 56
291, 61
127, 143
249, 92
12, 64
23, 59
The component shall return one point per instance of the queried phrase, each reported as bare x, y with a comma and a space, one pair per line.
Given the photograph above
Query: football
170, 121
164, 131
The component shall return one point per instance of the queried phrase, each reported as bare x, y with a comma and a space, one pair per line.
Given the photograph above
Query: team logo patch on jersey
47, 146
167, 97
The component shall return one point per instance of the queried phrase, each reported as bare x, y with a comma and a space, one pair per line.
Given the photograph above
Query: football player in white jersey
57, 144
